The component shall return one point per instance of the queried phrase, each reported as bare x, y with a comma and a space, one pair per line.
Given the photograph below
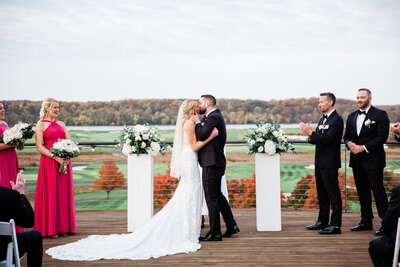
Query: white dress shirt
360, 120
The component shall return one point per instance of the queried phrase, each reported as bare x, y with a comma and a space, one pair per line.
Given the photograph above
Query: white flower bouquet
268, 138
65, 149
141, 140
16, 135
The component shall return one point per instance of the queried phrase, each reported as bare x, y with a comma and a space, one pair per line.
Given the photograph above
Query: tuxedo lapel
354, 122
367, 117
321, 120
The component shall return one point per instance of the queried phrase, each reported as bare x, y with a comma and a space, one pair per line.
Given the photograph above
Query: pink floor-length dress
54, 200
8, 163
9, 166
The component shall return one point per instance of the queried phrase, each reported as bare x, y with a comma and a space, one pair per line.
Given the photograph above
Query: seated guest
381, 249
15, 205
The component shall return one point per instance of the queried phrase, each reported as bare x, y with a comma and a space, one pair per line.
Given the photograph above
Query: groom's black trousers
216, 201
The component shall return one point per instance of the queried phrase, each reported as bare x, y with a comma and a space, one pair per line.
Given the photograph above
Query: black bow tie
203, 119
325, 117
362, 112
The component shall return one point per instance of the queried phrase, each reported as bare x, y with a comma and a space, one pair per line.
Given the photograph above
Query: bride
175, 228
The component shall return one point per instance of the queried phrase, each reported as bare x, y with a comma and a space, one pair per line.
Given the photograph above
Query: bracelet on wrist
52, 155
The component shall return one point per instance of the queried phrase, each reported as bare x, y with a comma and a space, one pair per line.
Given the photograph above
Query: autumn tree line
164, 111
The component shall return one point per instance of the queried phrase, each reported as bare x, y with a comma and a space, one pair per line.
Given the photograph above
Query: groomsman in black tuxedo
327, 138
212, 160
367, 130
381, 249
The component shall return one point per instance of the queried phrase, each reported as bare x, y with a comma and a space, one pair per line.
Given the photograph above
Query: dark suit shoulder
7, 193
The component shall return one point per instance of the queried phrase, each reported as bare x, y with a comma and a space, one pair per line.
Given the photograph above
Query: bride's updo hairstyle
46, 104
188, 107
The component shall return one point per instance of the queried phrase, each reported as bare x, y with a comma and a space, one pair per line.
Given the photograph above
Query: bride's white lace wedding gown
174, 229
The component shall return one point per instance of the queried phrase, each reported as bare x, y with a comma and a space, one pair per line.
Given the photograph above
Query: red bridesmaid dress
54, 199
8, 163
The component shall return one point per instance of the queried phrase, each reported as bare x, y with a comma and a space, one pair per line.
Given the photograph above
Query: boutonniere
323, 127
368, 123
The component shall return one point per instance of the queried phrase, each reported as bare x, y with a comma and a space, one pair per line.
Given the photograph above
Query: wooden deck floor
293, 246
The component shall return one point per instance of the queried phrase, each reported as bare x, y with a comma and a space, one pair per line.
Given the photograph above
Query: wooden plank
293, 246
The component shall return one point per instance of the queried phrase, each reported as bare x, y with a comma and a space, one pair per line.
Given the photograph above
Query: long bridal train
174, 229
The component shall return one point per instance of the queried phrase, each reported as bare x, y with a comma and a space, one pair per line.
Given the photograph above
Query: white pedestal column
140, 190
268, 192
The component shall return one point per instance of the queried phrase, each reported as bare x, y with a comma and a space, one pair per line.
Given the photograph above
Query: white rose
143, 145
155, 148
252, 142
260, 149
259, 139
269, 147
145, 137
275, 133
126, 149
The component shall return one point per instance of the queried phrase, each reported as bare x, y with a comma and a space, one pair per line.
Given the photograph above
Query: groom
213, 162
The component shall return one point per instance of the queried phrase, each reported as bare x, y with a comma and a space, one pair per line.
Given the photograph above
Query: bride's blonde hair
46, 104
188, 109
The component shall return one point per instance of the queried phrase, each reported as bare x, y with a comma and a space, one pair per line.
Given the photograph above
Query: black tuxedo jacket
212, 154
392, 214
327, 141
373, 137
15, 206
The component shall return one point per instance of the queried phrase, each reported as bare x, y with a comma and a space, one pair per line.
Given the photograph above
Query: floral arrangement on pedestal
268, 138
141, 140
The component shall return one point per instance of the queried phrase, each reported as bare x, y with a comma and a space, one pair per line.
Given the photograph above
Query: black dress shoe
317, 226
209, 237
361, 227
231, 231
379, 232
330, 230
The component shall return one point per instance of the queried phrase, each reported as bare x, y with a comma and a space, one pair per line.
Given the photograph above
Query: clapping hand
306, 128
395, 128
19, 184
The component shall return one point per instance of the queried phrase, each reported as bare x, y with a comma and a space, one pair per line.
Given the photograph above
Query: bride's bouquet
16, 135
65, 149
141, 140
268, 138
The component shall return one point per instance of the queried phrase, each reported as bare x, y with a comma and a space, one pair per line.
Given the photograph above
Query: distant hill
164, 111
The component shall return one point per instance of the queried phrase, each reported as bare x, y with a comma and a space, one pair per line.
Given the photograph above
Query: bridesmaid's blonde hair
46, 104
188, 107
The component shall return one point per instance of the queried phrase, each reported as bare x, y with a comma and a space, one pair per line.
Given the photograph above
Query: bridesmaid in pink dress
8, 158
54, 200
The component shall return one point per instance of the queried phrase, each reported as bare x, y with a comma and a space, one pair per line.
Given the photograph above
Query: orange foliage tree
110, 177
390, 180
305, 193
164, 188
242, 194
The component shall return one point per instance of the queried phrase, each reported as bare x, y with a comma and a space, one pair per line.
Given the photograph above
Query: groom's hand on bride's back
195, 118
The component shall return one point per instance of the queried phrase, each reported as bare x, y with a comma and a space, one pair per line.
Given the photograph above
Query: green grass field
290, 172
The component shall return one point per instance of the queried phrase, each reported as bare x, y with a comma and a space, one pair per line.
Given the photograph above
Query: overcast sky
90, 50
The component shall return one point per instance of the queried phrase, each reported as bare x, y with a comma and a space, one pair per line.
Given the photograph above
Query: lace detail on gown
174, 229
